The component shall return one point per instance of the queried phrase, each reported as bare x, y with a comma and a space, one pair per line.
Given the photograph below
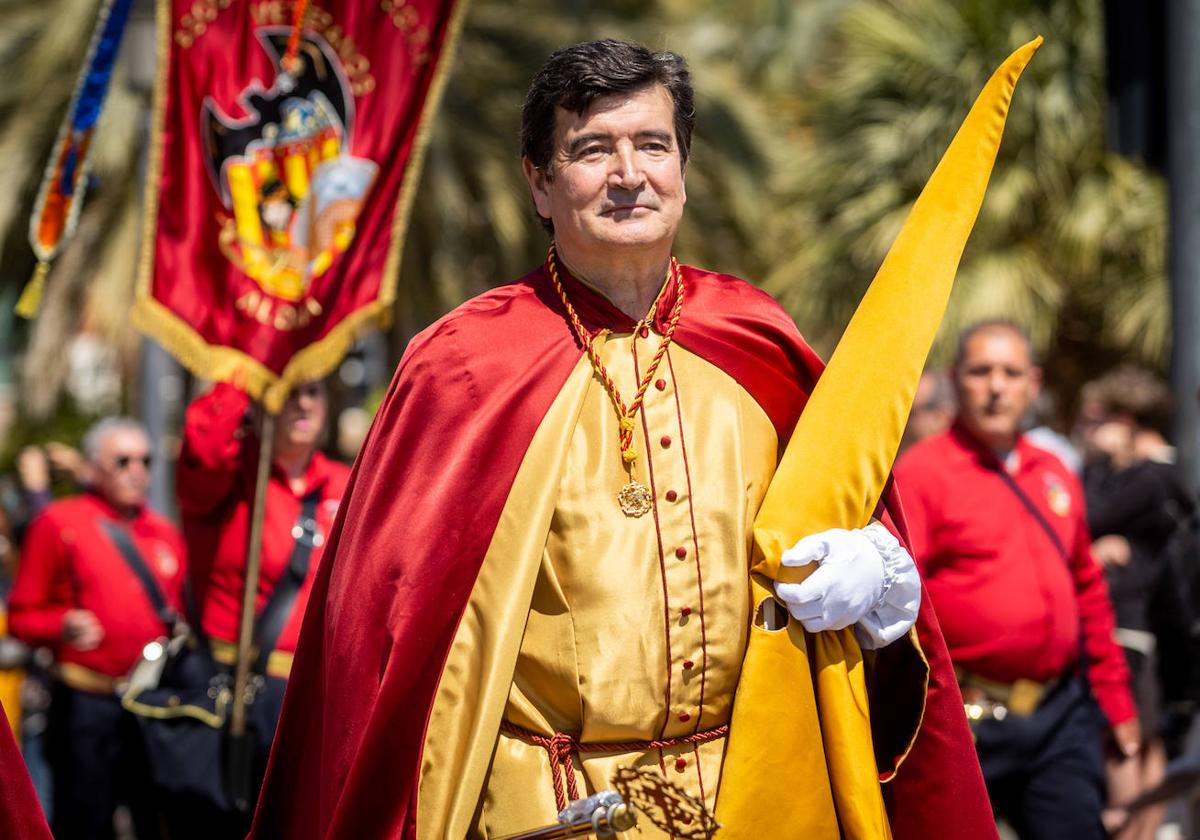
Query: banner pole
239, 744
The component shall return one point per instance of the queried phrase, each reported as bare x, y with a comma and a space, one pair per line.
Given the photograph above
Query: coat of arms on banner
282, 171
290, 189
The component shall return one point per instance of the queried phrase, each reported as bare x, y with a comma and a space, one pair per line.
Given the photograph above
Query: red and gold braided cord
561, 746
625, 414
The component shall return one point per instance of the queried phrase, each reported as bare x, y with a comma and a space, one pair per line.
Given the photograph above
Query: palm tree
1070, 240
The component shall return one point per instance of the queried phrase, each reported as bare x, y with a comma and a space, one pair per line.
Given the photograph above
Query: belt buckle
1026, 696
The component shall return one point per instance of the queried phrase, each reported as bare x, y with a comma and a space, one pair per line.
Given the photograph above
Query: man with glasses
100, 576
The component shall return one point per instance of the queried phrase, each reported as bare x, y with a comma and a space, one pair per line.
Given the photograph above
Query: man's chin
1001, 432
633, 233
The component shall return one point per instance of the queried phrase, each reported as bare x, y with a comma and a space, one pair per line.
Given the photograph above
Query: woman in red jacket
215, 481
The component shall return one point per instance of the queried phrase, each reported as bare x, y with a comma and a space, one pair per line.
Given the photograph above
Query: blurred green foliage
818, 123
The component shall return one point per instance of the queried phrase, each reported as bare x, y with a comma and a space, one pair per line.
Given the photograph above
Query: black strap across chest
279, 606
1038, 516
137, 564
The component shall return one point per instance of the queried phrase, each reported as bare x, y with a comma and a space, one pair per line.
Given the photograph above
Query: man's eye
592, 151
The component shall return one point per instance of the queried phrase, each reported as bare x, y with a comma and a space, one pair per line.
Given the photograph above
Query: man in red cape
539, 569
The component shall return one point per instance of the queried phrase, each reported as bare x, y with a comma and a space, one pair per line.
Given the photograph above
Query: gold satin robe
637, 627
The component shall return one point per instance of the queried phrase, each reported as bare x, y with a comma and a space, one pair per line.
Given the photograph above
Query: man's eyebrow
583, 139
664, 136
594, 136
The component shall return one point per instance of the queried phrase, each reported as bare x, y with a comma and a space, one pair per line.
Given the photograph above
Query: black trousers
97, 760
1045, 772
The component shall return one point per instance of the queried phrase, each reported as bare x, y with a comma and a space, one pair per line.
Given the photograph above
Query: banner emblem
290, 189
284, 161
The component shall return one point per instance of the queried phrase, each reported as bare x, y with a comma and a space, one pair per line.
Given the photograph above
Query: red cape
21, 816
417, 519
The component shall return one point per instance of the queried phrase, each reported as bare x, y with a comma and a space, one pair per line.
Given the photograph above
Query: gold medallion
634, 499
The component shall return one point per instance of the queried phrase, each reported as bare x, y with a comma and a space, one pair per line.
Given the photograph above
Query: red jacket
215, 484
69, 562
1009, 604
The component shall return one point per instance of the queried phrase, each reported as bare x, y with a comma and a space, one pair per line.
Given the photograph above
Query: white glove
864, 577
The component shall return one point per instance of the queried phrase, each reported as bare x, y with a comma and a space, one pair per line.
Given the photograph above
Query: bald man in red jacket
998, 528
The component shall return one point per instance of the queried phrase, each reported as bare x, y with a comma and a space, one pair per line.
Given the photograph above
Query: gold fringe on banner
227, 364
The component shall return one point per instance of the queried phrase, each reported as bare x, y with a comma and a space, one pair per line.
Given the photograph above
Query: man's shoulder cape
418, 516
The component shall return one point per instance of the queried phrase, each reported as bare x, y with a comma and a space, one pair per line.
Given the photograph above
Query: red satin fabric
21, 816
417, 519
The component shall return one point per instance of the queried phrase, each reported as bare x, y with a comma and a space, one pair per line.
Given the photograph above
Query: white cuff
901, 601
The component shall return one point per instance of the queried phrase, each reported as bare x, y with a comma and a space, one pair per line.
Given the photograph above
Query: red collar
597, 312
106, 509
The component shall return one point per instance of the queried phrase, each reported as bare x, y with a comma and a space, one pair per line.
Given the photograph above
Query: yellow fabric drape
832, 476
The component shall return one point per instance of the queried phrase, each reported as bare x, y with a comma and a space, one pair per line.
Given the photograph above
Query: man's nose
627, 172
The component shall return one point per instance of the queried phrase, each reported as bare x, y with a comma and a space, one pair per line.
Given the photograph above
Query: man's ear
1035, 382
539, 187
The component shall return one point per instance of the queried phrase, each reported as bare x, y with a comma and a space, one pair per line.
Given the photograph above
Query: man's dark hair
574, 77
992, 325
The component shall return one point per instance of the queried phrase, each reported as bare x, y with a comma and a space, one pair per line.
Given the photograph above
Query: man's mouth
624, 208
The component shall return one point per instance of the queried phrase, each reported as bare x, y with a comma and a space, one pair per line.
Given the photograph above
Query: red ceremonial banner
277, 201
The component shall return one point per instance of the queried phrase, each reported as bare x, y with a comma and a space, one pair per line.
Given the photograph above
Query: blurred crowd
1064, 568
121, 627
992, 579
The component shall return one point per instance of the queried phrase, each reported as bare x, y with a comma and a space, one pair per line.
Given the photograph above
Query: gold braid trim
625, 414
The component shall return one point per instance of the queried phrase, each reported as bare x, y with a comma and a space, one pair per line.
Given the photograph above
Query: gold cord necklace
634, 498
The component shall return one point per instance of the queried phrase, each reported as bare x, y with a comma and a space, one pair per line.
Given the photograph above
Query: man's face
121, 471
996, 383
616, 175
303, 416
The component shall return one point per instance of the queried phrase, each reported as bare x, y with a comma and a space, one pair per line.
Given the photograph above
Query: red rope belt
561, 746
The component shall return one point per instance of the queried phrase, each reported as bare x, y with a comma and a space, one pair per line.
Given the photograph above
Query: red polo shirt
215, 485
1010, 604
68, 561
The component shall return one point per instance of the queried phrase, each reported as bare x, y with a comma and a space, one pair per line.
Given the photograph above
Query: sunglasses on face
123, 462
